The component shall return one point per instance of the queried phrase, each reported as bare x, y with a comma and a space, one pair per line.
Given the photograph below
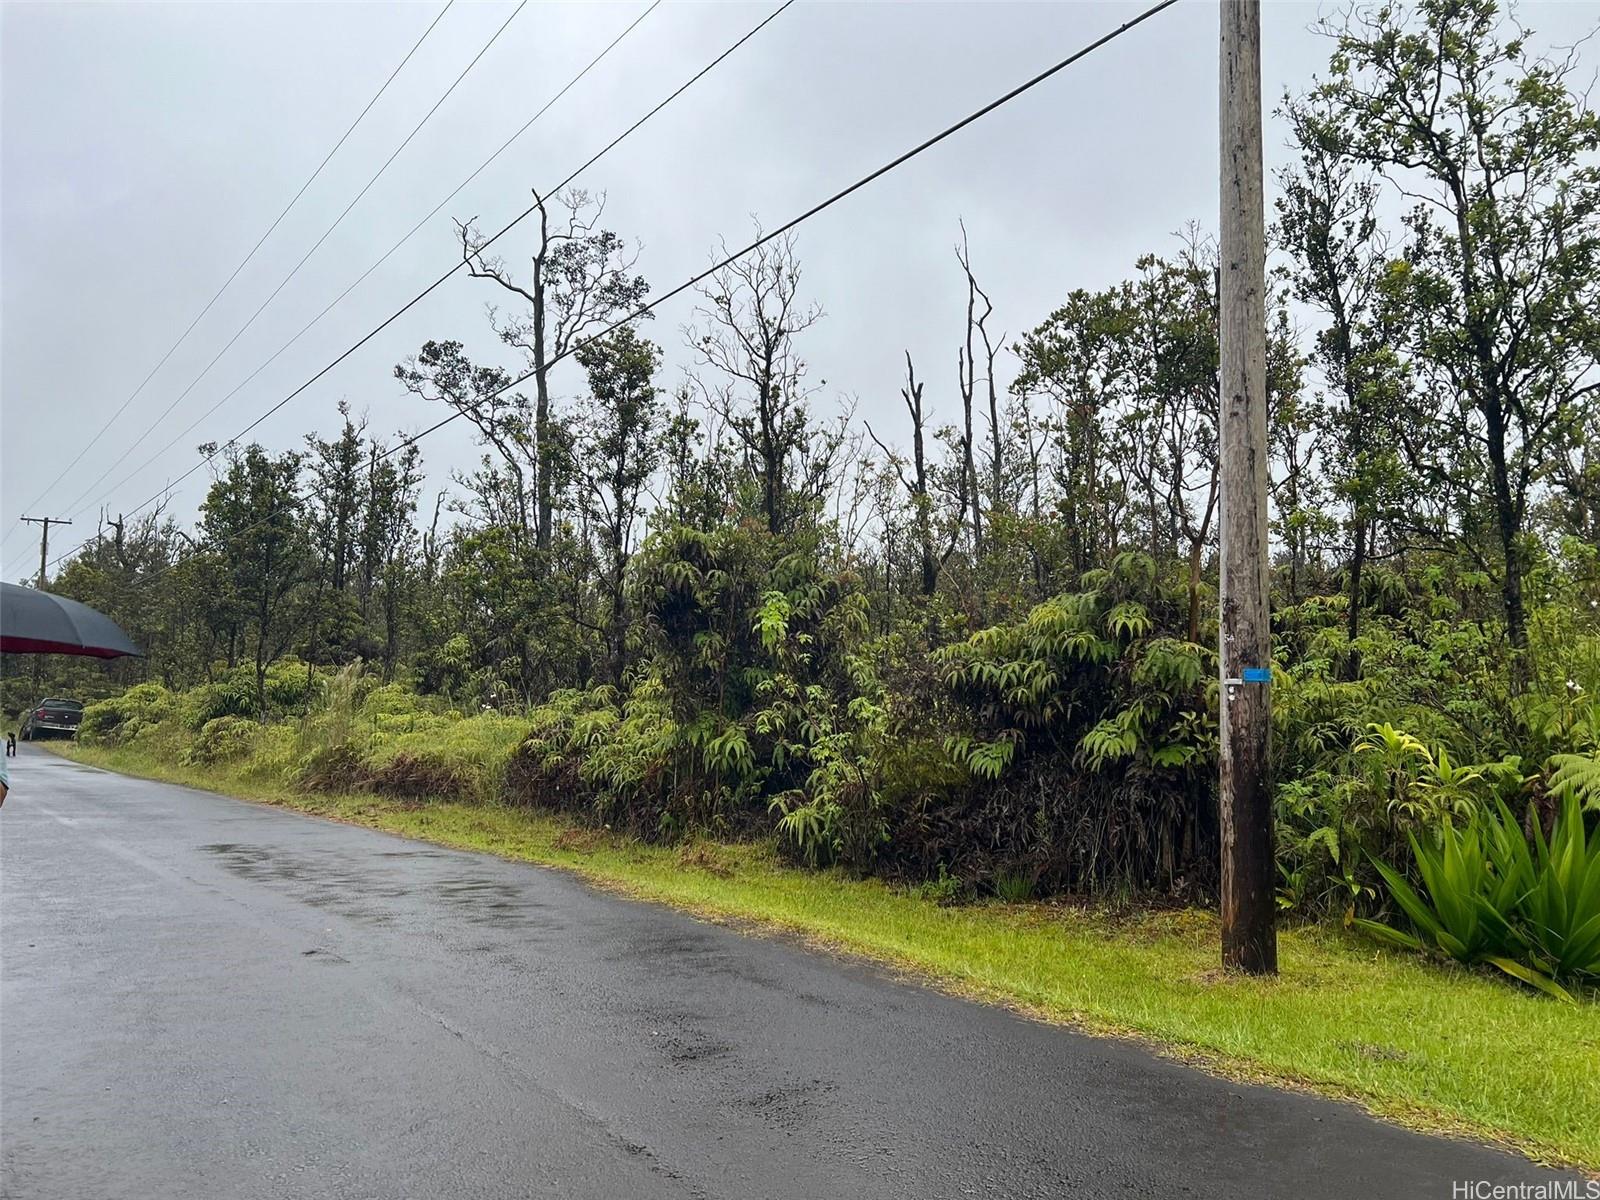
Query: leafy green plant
1488, 898
1560, 912
1088, 732
985, 760
123, 718
1468, 900
1577, 775
221, 739
1422, 785
946, 891
810, 825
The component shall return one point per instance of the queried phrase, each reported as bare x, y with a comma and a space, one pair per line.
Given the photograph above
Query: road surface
211, 999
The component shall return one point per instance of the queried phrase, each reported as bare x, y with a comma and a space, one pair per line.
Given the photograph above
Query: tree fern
1579, 773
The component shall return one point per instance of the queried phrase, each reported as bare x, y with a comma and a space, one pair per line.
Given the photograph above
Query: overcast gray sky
145, 147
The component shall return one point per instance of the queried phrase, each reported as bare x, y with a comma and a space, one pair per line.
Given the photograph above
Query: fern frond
1580, 773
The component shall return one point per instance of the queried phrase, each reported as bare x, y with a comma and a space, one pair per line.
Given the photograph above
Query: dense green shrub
748, 642
1085, 739
444, 758
139, 710
1071, 748
221, 739
1380, 737
290, 688
331, 768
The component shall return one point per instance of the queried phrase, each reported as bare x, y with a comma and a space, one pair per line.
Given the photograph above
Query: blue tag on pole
1258, 674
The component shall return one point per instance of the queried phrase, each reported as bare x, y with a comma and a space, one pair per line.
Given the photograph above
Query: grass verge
1429, 1046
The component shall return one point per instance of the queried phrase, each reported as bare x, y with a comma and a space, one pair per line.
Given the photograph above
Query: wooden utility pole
44, 524
1249, 940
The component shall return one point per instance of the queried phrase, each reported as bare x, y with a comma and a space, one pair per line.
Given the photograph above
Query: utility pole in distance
44, 524
1249, 939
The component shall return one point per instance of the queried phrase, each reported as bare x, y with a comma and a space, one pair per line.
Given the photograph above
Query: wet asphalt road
205, 998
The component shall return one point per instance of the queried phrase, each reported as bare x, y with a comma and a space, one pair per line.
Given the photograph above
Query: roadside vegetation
944, 690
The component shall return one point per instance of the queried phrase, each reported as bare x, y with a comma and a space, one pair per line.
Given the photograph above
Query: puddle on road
367, 893
692, 954
488, 902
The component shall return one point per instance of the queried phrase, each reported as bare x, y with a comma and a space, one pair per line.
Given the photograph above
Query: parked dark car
51, 717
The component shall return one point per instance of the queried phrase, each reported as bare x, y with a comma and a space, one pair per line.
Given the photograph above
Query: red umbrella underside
22, 645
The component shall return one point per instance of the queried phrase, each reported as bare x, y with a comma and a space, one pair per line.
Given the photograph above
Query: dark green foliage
1560, 912
1014, 887
286, 687
1087, 737
1427, 727
749, 645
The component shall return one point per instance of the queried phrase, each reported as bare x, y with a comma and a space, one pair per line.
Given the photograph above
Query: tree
621, 449
930, 560
1076, 359
746, 332
1577, 498
1132, 371
698, 468
443, 374
1174, 380
335, 495
1328, 221
1296, 438
1500, 284
127, 574
253, 518
967, 367
966, 377
388, 537
580, 280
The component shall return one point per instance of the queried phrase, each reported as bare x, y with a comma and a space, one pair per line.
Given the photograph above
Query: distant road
210, 999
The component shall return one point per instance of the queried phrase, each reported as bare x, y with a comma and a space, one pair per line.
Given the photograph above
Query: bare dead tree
746, 331
966, 384
916, 484
854, 499
580, 280
991, 346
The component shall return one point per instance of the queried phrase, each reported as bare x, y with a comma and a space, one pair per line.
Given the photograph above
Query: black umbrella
34, 622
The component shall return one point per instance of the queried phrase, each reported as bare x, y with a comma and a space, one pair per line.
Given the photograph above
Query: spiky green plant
1473, 877
1532, 910
1560, 912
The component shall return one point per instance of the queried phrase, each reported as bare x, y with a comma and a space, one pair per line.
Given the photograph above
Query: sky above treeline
144, 148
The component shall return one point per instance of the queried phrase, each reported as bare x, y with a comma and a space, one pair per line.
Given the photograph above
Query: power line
651, 305
786, 227
295, 199
315, 247
594, 158
504, 146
